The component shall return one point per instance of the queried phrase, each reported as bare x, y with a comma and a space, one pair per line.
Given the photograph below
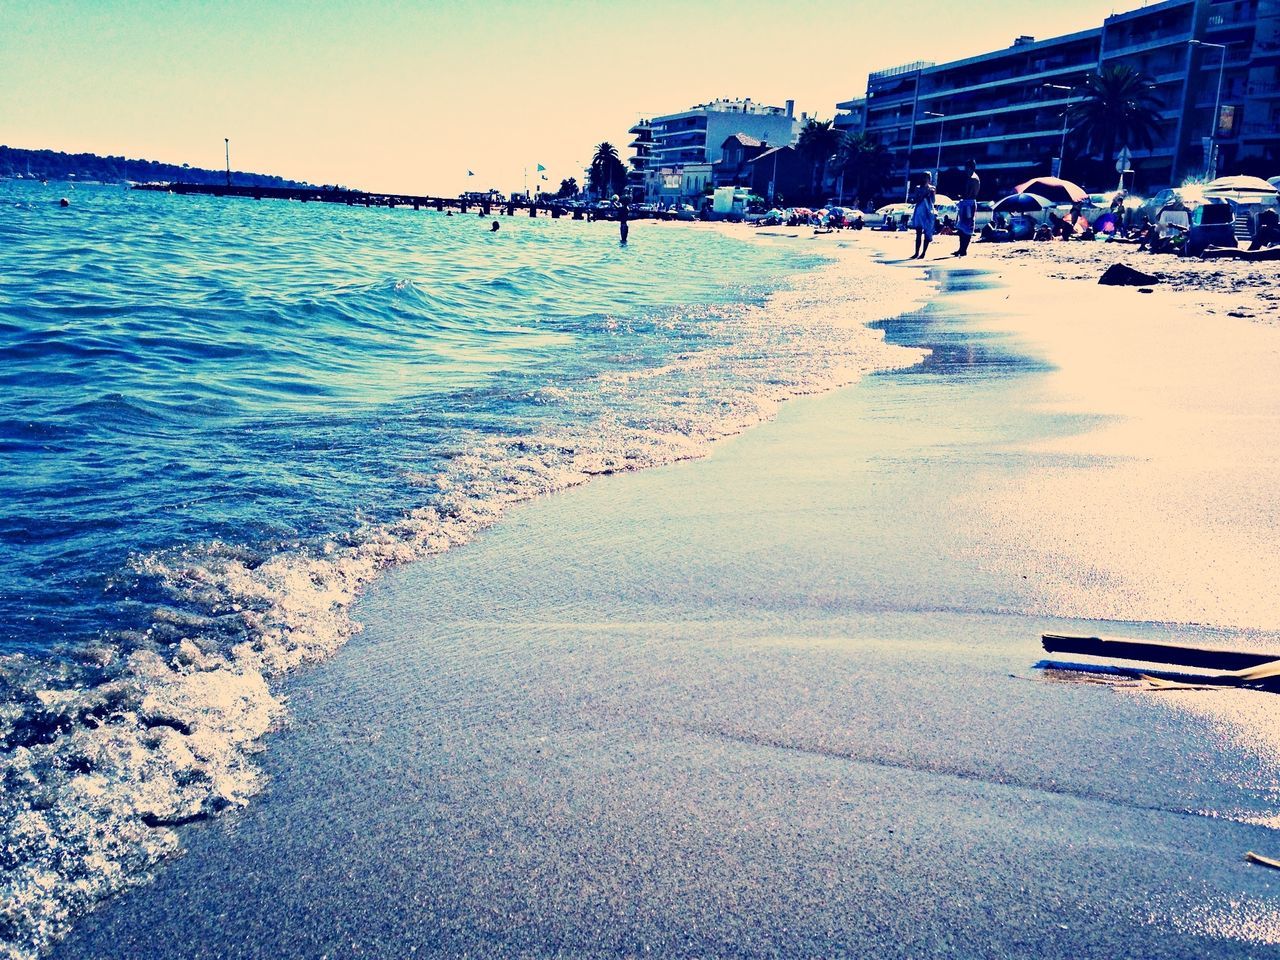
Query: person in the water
623, 228
496, 227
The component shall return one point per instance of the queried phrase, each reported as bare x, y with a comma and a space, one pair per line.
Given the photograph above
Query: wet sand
780, 701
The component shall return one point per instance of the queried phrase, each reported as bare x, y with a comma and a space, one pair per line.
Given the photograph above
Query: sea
220, 419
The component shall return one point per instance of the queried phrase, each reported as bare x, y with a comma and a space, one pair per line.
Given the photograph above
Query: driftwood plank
1150, 651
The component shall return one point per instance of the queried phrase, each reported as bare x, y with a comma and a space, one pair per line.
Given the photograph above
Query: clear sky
394, 95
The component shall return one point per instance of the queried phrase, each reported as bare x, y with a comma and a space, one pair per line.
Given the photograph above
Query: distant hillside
53, 165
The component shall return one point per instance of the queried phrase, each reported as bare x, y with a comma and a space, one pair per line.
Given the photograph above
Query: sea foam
110, 751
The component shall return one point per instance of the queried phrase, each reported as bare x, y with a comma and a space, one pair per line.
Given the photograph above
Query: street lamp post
942, 123
1211, 164
1062, 147
227, 143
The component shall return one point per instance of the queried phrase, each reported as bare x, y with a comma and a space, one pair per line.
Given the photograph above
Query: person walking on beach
923, 218
967, 208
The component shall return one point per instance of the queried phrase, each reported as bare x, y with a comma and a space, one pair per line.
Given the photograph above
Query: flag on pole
540, 169
544, 176
471, 173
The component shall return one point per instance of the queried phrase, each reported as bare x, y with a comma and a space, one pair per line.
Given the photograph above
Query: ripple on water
245, 413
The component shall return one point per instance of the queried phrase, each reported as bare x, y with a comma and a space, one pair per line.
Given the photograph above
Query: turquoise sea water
184, 370
219, 419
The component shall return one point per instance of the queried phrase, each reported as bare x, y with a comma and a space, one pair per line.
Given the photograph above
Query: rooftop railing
898, 71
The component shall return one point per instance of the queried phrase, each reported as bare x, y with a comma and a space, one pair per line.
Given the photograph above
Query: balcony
924, 145
1260, 131
895, 123
1238, 14
1005, 77
1133, 46
1266, 51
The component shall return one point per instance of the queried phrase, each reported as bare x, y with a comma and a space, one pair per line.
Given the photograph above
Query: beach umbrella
942, 200
1022, 203
1244, 186
1052, 188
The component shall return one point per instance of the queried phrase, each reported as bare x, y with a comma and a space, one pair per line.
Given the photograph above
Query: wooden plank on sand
1151, 651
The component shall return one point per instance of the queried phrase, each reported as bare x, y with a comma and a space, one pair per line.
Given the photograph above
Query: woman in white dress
923, 218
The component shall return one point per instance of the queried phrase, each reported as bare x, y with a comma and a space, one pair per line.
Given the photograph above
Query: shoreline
834, 548
1234, 288
215, 712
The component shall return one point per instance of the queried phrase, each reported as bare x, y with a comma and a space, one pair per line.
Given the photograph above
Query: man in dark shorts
968, 207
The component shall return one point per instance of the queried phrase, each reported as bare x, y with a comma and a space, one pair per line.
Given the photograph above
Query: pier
360, 198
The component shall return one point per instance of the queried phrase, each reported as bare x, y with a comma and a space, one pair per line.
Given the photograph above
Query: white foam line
171, 736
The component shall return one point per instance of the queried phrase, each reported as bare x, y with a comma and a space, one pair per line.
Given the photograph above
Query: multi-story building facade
1008, 108
694, 137
641, 145
851, 115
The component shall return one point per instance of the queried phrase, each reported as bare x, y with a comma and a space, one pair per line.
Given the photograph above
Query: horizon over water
221, 418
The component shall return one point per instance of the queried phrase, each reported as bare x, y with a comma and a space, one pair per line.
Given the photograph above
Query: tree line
55, 165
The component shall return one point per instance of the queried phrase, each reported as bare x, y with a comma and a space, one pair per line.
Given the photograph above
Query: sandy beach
1212, 286
781, 701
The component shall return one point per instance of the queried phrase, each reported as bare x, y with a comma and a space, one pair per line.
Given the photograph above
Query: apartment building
1008, 108
851, 115
694, 139
640, 145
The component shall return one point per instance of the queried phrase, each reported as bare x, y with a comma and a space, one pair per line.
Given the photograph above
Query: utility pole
227, 142
1211, 162
1062, 148
942, 124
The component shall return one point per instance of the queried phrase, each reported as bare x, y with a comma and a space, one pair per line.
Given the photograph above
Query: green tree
607, 174
1118, 107
818, 143
568, 188
864, 164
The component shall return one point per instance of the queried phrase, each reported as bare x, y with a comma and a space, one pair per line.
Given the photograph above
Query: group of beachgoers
1118, 224
924, 218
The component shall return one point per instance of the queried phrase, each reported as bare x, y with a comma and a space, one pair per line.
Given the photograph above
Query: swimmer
64, 202
496, 227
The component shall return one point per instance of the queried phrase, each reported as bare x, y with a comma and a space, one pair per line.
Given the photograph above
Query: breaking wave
119, 739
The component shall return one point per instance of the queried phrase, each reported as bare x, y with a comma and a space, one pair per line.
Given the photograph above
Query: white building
692, 138
695, 135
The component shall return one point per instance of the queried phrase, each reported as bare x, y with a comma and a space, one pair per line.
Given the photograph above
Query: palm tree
818, 143
864, 163
1119, 108
607, 173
